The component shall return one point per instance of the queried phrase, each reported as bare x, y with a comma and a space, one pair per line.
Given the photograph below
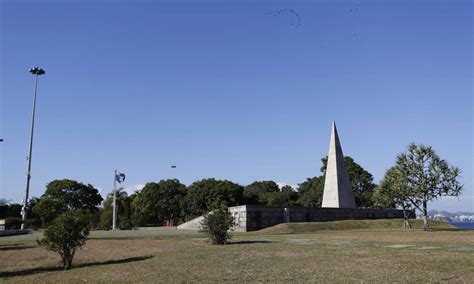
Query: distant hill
461, 216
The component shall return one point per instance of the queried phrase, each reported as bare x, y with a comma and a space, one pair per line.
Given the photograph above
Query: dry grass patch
311, 227
328, 256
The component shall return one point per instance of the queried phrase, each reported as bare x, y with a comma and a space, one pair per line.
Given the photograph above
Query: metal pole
115, 199
173, 176
28, 159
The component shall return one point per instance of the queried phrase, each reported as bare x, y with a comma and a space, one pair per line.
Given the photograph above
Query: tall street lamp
37, 72
173, 167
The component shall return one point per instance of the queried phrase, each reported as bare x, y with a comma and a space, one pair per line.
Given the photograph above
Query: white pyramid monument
337, 186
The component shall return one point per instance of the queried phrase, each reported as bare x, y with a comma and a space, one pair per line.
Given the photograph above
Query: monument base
7, 233
256, 217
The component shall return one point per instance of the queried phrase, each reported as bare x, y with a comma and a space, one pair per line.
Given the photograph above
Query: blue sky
234, 90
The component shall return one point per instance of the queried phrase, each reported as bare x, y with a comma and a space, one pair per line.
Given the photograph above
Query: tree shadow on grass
37, 270
241, 242
14, 247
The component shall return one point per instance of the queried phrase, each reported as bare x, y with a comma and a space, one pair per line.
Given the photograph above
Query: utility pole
24, 210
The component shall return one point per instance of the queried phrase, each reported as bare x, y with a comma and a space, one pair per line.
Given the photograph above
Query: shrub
106, 219
65, 234
13, 223
216, 225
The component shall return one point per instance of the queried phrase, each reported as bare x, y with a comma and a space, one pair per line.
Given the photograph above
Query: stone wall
6, 233
255, 217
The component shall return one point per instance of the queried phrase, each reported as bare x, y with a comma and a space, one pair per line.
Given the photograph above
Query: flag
120, 177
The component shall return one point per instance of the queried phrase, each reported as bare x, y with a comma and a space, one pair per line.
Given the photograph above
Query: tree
12, 214
34, 220
4, 208
159, 202
10, 210
65, 234
259, 192
361, 181
209, 194
216, 225
311, 192
66, 195
287, 196
123, 207
426, 177
393, 191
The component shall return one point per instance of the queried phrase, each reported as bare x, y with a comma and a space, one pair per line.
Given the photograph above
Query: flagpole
114, 201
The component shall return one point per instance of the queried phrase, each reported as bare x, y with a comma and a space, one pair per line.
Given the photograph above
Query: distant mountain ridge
460, 216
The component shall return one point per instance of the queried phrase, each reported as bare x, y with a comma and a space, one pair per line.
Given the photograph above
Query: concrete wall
14, 232
194, 224
255, 217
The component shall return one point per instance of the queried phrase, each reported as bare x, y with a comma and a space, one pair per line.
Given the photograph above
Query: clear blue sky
232, 90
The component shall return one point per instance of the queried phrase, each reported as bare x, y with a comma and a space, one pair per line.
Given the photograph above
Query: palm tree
121, 195
123, 207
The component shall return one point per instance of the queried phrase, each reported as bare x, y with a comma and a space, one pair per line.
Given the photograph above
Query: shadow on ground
15, 247
249, 242
37, 270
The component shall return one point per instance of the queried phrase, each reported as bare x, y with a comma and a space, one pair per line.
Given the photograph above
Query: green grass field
348, 251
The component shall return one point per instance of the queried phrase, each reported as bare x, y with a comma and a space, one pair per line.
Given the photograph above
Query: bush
216, 225
65, 234
106, 219
13, 223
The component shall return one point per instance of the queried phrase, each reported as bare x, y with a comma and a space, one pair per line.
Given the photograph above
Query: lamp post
173, 167
37, 72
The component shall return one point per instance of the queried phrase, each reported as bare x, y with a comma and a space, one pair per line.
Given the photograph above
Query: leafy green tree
159, 202
311, 192
10, 210
287, 196
209, 194
361, 180
106, 216
34, 220
65, 195
124, 210
260, 192
216, 225
4, 208
13, 223
66, 233
425, 177
393, 192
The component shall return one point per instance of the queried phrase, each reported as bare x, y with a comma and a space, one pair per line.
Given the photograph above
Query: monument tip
333, 128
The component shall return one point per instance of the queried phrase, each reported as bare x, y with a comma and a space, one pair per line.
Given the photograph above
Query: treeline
418, 177
11, 212
169, 202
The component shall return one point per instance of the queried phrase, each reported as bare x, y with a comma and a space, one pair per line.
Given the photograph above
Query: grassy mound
301, 228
